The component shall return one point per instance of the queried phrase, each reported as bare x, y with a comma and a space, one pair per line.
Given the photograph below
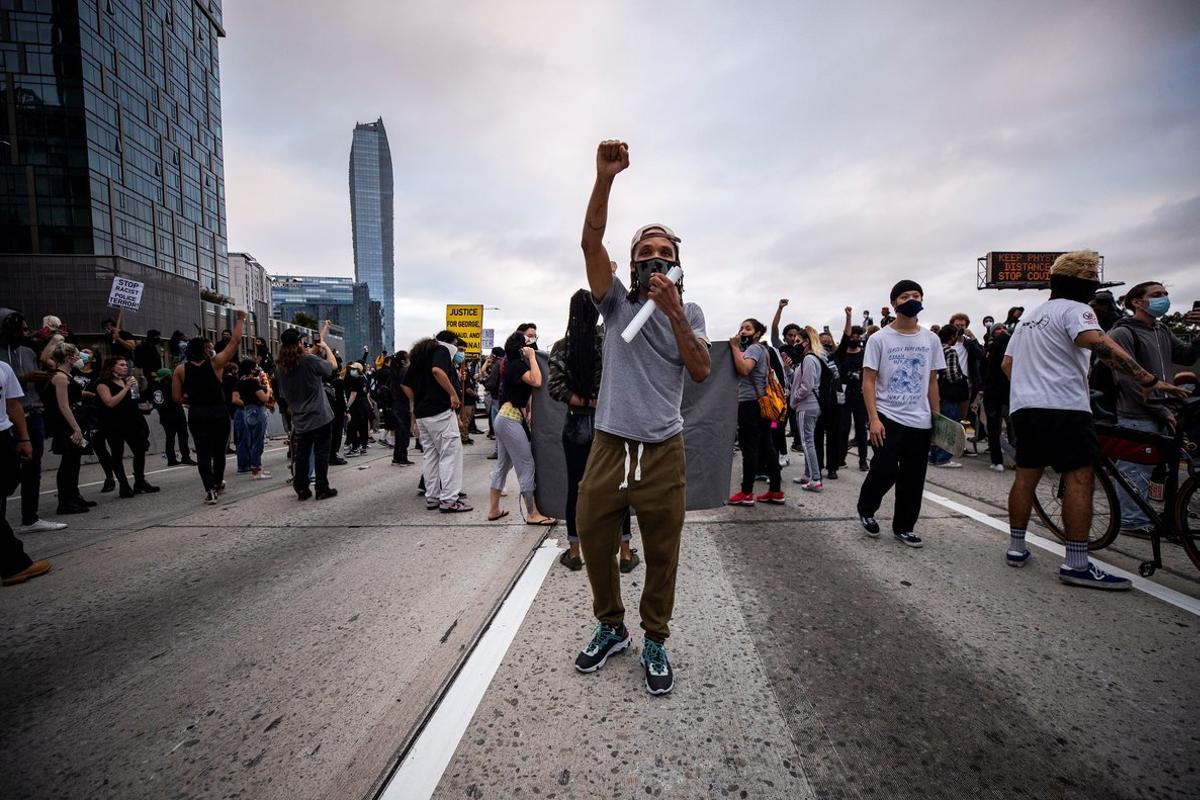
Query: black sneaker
304, 494
605, 642
863, 466
325, 494
869, 525
659, 677
338, 462
909, 538
630, 564
833, 476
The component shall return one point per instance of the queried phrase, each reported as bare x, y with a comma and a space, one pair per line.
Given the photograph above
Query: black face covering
642, 270
745, 341
1071, 288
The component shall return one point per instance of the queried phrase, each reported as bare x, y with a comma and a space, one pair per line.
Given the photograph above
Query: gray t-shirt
304, 393
752, 386
641, 387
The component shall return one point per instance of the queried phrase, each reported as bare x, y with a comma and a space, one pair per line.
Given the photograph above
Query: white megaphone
635, 325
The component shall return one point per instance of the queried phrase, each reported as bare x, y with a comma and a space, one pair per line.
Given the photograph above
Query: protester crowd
1024, 387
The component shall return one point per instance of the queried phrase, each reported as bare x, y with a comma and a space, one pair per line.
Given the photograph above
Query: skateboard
949, 435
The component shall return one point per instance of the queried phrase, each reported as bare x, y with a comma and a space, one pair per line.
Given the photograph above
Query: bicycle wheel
1106, 511
1188, 507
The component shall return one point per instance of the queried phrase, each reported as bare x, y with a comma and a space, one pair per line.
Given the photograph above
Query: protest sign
125, 293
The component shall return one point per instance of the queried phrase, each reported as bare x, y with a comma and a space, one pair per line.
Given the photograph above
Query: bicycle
1179, 522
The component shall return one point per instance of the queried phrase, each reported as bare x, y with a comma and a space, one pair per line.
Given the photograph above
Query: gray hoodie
23, 361
1155, 348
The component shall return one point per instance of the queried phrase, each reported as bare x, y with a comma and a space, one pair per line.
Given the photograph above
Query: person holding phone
300, 375
124, 424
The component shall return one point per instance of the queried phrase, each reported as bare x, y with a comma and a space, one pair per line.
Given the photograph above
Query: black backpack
1104, 381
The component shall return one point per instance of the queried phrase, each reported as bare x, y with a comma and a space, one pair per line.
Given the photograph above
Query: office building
339, 300
111, 161
371, 218
251, 290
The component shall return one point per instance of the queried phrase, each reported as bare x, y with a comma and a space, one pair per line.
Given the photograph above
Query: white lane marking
164, 469
1152, 588
421, 771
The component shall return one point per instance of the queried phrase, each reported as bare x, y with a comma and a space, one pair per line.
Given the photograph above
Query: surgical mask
531, 339
79, 362
644, 269
459, 358
1069, 287
1157, 306
83, 359
745, 341
353, 373
910, 308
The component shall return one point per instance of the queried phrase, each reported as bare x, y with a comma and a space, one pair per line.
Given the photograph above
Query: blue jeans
254, 435
239, 440
947, 408
1138, 476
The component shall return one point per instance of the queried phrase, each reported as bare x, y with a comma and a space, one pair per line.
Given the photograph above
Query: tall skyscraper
371, 219
110, 157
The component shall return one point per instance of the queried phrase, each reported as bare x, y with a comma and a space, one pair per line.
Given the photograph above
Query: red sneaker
774, 498
741, 499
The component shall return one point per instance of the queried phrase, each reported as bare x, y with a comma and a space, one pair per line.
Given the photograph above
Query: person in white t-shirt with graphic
1047, 363
900, 390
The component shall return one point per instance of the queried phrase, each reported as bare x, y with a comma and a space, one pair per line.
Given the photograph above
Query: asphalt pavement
265, 648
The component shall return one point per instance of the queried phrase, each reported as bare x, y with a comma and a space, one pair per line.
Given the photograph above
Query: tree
304, 320
1180, 327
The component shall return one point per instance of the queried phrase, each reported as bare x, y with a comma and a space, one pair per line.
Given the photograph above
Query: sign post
466, 322
125, 294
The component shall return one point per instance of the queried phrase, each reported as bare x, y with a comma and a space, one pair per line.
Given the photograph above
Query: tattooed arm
1120, 361
611, 158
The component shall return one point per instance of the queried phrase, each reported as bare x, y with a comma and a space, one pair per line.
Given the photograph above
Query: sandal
548, 522
501, 515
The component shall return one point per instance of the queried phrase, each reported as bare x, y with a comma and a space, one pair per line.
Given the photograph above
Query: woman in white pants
522, 375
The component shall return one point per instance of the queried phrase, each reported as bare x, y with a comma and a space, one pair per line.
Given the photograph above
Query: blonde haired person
806, 384
1047, 362
68, 439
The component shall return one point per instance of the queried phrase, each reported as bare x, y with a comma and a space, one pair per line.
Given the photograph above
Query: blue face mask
1158, 306
459, 358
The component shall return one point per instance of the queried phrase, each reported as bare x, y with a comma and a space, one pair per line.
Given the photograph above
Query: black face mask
642, 270
745, 341
1071, 288
910, 308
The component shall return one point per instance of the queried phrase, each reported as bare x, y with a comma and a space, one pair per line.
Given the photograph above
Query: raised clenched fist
612, 156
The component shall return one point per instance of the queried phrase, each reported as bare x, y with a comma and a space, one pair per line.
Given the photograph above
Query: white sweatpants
442, 465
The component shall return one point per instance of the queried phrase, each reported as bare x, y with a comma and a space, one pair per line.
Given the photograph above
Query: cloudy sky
815, 151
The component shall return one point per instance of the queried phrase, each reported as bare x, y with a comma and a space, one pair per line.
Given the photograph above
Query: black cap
290, 336
498, 352
903, 286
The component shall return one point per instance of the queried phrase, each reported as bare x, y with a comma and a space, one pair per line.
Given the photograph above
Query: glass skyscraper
116, 148
371, 219
111, 150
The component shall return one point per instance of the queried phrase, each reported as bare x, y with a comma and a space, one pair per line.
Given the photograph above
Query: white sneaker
42, 525
261, 475
996, 467
783, 461
949, 465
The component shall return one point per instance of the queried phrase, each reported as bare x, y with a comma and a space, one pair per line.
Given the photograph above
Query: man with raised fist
637, 458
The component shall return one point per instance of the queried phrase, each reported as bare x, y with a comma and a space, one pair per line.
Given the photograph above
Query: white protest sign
487, 340
125, 294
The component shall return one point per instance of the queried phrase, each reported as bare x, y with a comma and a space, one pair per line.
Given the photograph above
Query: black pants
828, 436
175, 427
794, 421
210, 432
996, 415
577, 456
133, 432
854, 422
356, 430
12, 550
103, 457
31, 468
754, 437
901, 462
403, 432
67, 478
314, 444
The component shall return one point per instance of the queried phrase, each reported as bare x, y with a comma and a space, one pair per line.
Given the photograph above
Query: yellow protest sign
466, 322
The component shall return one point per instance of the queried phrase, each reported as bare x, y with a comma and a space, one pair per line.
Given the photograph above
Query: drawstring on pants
637, 473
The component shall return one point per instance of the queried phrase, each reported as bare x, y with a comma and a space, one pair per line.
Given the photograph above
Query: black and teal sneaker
606, 641
659, 677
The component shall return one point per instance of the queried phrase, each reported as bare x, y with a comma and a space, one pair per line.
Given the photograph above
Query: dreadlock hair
580, 344
420, 356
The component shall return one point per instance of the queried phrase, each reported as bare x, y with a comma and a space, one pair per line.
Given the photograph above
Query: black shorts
1052, 437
